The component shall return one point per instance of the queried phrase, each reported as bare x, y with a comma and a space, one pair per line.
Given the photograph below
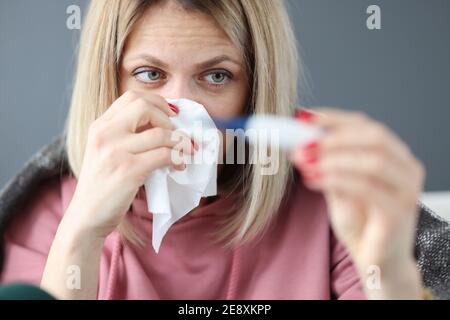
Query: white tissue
171, 194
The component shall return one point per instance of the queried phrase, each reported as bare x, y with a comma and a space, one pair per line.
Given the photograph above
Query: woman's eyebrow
203, 65
150, 59
214, 61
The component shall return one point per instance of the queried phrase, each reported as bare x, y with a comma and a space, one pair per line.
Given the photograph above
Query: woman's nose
177, 88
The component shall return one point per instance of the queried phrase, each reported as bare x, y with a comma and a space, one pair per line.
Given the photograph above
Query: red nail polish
308, 159
304, 115
194, 144
174, 108
311, 161
310, 147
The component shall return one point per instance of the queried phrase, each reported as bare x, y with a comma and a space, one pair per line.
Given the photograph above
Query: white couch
439, 202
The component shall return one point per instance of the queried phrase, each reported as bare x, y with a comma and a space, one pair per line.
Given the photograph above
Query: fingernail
311, 160
304, 115
307, 160
194, 144
174, 108
311, 146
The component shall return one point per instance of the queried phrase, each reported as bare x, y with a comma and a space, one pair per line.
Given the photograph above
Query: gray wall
399, 75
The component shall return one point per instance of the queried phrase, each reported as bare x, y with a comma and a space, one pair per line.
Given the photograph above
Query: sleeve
29, 236
345, 280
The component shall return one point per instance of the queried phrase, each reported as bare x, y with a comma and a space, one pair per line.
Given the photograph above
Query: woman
344, 230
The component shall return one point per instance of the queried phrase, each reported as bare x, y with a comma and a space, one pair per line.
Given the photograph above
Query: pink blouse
297, 258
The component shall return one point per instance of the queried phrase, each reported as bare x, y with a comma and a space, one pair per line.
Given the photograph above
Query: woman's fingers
130, 96
355, 129
157, 138
355, 146
141, 113
356, 187
119, 103
371, 164
367, 165
148, 131
330, 118
155, 159
366, 136
160, 103
355, 134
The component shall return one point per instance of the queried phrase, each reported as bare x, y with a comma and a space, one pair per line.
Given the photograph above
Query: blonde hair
260, 29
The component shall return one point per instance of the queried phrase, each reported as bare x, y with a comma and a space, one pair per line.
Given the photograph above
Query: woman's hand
130, 140
372, 184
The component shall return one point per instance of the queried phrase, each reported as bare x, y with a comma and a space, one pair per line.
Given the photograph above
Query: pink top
298, 258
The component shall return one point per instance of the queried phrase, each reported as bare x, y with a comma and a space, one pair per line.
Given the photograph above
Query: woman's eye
217, 78
148, 76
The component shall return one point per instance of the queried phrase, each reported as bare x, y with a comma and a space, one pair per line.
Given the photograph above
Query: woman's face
179, 54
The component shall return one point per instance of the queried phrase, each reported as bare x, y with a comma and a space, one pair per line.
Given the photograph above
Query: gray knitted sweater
432, 240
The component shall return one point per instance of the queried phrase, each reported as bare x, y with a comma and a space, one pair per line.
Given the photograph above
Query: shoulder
35, 222
28, 234
31, 202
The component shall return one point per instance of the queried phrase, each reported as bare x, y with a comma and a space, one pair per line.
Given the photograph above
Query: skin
183, 41
371, 182
133, 138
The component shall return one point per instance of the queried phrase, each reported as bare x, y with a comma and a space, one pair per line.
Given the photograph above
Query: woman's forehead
169, 24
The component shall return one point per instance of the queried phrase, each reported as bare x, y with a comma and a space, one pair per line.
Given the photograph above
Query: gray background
399, 75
